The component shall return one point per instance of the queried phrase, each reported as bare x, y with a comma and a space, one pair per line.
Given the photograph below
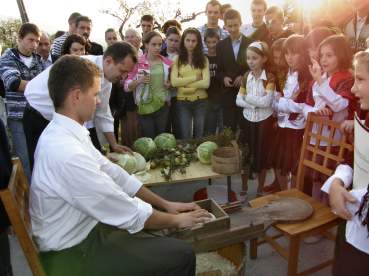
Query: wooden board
196, 171
321, 215
285, 209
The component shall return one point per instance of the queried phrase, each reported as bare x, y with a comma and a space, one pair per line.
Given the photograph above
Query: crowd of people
260, 79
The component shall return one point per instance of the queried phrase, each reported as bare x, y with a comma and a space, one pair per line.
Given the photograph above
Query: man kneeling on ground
87, 212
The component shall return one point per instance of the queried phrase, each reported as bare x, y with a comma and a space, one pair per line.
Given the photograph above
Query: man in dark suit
5, 171
232, 65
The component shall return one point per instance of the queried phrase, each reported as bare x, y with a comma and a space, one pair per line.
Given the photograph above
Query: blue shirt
236, 46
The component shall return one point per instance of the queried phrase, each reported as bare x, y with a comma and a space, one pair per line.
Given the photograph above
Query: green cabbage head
140, 162
126, 161
205, 150
145, 146
165, 141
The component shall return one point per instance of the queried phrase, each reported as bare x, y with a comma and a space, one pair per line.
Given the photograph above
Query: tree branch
191, 17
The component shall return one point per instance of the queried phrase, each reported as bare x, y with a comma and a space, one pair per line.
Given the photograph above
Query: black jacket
227, 65
95, 49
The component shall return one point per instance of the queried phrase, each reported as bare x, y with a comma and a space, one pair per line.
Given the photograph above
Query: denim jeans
191, 115
155, 123
20, 145
214, 118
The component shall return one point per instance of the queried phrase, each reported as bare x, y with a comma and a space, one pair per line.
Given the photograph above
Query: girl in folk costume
150, 82
255, 97
331, 92
353, 257
288, 107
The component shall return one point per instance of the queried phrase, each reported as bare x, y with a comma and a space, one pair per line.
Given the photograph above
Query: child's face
173, 42
233, 27
292, 60
190, 42
278, 58
254, 60
211, 42
361, 85
328, 59
313, 53
154, 46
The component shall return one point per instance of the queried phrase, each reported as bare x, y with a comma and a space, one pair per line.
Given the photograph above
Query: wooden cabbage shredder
245, 223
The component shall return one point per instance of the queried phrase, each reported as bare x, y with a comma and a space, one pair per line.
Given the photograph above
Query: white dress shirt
247, 29
257, 102
74, 187
286, 105
37, 95
360, 22
325, 96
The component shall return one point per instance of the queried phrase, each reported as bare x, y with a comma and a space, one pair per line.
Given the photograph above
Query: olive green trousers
110, 251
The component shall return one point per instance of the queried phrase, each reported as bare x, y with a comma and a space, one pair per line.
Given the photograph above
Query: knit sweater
12, 72
184, 78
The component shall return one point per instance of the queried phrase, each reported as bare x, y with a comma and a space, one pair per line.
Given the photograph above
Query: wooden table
196, 171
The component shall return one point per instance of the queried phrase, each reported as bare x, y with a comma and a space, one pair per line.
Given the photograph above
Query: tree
124, 14
8, 32
162, 9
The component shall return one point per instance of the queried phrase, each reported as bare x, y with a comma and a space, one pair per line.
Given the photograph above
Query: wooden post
22, 11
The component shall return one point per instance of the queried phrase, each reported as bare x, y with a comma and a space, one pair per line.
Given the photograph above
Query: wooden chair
15, 200
314, 158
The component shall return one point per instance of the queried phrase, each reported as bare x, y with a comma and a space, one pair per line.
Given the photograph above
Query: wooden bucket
236, 254
226, 160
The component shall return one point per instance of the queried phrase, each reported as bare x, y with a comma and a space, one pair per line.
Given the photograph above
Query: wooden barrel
236, 254
226, 160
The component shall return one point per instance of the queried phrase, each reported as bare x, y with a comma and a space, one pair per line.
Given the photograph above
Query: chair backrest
317, 158
15, 199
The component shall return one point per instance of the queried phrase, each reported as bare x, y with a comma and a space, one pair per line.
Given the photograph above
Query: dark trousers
155, 123
94, 138
191, 115
33, 124
111, 251
172, 124
116, 128
232, 114
213, 119
5, 265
